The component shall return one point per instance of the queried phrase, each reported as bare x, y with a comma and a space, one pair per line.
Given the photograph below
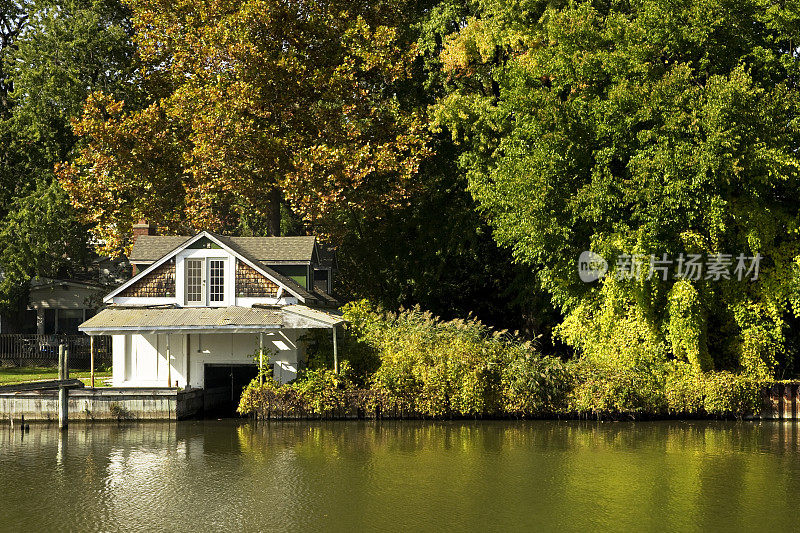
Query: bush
728, 394
684, 389
536, 385
413, 364
604, 389
437, 368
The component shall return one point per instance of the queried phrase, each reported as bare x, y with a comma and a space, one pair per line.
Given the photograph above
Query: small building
201, 311
59, 306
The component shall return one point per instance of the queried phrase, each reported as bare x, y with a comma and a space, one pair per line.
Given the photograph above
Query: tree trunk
274, 220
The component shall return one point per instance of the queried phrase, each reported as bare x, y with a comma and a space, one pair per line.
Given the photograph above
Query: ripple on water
422, 476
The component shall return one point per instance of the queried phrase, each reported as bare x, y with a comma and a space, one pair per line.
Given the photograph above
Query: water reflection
401, 475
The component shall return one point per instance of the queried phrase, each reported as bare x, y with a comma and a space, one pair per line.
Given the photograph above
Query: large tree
251, 103
643, 127
54, 54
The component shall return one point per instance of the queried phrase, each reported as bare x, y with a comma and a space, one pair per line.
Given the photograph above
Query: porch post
261, 358
169, 365
335, 353
91, 358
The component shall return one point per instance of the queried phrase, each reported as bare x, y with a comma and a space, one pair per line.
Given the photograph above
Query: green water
402, 476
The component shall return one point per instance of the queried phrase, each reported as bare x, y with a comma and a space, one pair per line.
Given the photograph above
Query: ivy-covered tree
644, 127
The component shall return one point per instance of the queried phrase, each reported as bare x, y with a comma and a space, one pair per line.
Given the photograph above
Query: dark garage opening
223, 387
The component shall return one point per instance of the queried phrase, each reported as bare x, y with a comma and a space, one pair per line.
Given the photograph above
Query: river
231, 475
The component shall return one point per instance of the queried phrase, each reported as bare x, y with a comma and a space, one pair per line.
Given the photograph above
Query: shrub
413, 364
437, 368
619, 389
536, 385
684, 389
728, 394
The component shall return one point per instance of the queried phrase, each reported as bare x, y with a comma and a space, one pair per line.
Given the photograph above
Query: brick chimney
143, 228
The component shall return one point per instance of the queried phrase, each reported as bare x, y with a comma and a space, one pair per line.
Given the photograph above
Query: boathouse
203, 311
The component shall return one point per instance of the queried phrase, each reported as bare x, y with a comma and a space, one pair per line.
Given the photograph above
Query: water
402, 476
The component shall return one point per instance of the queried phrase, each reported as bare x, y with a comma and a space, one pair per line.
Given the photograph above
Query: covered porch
197, 347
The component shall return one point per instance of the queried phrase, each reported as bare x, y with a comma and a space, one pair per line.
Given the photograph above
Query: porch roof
122, 320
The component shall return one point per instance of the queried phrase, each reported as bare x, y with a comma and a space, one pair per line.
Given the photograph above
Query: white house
206, 308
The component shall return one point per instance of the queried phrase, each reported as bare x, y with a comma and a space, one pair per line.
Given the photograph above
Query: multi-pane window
194, 280
216, 279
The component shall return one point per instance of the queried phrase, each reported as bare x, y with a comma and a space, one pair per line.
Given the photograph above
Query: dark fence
42, 350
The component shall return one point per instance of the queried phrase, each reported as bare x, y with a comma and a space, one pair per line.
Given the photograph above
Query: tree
54, 54
250, 103
646, 128
438, 253
40, 237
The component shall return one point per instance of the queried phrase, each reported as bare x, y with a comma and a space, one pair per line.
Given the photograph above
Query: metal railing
42, 350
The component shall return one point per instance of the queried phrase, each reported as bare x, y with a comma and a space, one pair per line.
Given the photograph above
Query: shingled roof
151, 248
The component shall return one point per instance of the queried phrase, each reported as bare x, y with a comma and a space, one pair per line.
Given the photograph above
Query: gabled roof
150, 248
225, 242
233, 245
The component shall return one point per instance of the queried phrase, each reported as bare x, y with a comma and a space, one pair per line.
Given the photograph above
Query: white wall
140, 360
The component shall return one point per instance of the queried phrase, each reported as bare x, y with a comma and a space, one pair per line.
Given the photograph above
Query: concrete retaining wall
87, 404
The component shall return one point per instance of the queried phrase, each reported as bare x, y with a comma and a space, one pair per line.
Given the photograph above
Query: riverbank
413, 365
779, 401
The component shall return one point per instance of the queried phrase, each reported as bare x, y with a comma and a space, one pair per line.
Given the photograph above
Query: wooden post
60, 361
335, 353
63, 398
66, 362
169, 365
91, 358
261, 358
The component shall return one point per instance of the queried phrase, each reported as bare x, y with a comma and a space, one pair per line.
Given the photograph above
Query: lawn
10, 375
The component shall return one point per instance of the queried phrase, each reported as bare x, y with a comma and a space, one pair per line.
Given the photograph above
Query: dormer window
205, 281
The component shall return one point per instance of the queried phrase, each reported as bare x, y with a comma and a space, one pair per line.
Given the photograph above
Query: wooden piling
63, 375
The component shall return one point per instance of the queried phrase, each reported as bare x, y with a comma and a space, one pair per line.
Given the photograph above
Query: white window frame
201, 302
207, 280
206, 256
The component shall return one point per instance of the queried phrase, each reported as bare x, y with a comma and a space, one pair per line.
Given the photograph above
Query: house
201, 311
59, 306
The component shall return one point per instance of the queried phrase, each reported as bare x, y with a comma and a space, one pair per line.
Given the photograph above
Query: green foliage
684, 389
433, 367
606, 389
536, 385
460, 368
39, 237
359, 360
645, 128
728, 394
53, 55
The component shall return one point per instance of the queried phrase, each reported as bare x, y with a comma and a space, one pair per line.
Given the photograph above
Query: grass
12, 375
